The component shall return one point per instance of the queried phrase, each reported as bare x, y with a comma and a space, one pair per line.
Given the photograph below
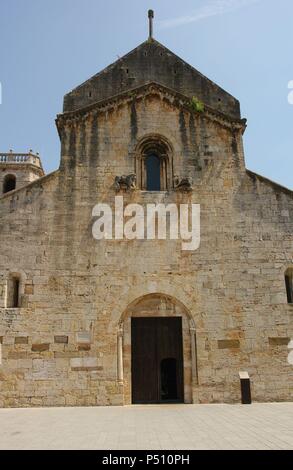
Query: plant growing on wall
197, 105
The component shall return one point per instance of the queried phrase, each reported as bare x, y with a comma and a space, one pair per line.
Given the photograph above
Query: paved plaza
257, 426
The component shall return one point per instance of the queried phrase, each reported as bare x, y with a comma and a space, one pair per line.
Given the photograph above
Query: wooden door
156, 360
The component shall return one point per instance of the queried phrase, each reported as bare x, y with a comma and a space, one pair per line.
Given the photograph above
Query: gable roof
151, 62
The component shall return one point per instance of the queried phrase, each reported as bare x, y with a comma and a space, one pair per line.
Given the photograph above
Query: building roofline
29, 185
272, 183
20, 158
146, 42
184, 100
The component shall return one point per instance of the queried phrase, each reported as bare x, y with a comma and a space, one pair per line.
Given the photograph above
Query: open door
157, 360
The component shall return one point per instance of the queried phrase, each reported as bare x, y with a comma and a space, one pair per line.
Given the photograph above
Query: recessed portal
157, 360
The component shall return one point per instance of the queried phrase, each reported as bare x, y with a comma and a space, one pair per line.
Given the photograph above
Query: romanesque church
121, 321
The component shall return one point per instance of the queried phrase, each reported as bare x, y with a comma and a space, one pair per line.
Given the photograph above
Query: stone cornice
16, 166
152, 88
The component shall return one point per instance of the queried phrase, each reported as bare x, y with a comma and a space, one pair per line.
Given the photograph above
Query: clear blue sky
50, 46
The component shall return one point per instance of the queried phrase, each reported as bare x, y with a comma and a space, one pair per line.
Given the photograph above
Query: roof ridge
110, 65
149, 41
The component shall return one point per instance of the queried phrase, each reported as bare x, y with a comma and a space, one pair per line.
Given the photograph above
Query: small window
13, 292
9, 183
289, 285
153, 173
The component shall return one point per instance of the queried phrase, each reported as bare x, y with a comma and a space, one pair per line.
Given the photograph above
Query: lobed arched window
9, 183
289, 285
154, 164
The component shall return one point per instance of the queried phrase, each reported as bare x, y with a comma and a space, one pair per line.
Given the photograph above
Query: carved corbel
126, 182
183, 184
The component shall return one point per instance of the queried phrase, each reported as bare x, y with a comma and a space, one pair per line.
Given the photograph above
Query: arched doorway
156, 351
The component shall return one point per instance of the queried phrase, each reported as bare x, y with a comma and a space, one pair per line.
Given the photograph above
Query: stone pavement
257, 426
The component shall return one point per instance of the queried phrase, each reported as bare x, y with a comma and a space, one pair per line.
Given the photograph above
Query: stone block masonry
67, 341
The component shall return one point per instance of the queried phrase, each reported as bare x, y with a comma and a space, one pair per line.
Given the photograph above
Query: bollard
245, 388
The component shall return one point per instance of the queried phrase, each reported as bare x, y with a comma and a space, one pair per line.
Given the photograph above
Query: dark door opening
9, 183
168, 380
157, 360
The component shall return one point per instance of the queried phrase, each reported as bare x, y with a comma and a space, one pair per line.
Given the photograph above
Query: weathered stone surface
40, 347
150, 61
86, 364
230, 292
29, 289
21, 340
61, 339
83, 337
228, 344
279, 341
84, 347
17, 355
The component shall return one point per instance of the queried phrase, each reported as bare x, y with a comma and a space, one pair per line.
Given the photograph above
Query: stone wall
23, 173
60, 347
151, 62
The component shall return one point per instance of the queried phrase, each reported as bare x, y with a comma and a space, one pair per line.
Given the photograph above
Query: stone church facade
112, 322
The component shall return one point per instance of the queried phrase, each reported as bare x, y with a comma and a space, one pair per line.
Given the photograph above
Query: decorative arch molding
154, 287
154, 144
160, 295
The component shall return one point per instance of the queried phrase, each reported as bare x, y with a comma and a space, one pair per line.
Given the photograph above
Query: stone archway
155, 145
156, 305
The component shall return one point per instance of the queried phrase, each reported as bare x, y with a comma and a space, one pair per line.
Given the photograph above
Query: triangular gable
151, 61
